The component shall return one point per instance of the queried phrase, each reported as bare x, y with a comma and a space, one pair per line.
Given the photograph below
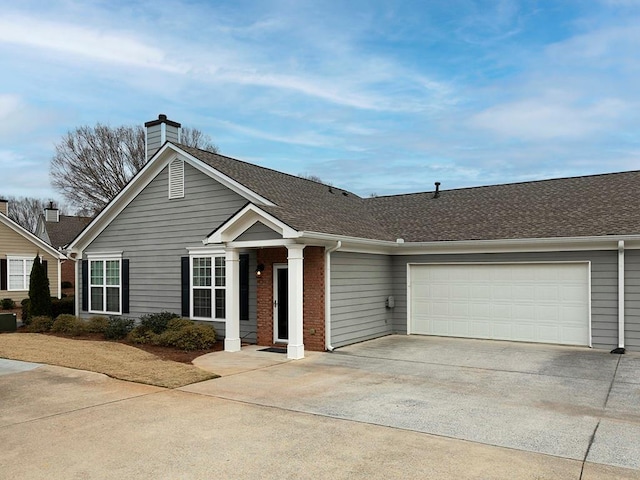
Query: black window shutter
85, 285
3, 274
244, 287
184, 278
125, 285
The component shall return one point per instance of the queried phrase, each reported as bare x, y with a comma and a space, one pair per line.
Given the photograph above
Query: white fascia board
153, 167
565, 244
364, 245
31, 237
225, 180
245, 219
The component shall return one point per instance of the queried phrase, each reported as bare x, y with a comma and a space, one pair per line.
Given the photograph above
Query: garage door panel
527, 302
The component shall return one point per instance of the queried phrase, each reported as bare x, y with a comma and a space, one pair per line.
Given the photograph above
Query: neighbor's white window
19, 272
105, 285
208, 287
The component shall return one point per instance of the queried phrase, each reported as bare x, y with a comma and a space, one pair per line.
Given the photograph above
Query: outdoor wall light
259, 270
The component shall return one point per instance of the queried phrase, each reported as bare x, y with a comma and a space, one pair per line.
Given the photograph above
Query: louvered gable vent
176, 179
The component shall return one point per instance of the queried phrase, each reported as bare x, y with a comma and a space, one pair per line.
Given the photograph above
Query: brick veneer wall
313, 296
68, 271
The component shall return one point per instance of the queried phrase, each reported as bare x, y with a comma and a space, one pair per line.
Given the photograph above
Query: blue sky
373, 96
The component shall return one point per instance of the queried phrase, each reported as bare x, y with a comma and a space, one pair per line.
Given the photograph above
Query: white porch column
295, 348
232, 301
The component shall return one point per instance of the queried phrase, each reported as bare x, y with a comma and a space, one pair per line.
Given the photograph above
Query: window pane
28, 265
113, 272
202, 303
16, 274
220, 305
97, 272
202, 272
97, 299
113, 299
220, 269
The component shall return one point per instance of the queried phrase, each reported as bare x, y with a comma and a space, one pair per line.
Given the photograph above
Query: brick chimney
51, 214
4, 206
159, 131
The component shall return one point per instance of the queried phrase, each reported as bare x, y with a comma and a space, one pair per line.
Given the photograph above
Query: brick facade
68, 271
313, 296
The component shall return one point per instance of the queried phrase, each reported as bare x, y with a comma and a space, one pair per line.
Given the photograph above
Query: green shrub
156, 322
66, 284
39, 292
178, 323
189, 337
97, 324
143, 336
25, 310
69, 325
118, 327
40, 324
7, 304
62, 306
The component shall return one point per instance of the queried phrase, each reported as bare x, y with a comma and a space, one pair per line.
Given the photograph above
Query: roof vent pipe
437, 192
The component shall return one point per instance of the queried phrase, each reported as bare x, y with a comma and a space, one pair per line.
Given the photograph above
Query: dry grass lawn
110, 358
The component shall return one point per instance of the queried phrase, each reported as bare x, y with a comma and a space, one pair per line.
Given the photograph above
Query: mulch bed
165, 353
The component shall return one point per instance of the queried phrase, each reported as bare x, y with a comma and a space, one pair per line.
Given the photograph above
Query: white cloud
540, 119
112, 47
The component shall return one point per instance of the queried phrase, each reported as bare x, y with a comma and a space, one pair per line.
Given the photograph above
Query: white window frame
26, 275
212, 255
104, 258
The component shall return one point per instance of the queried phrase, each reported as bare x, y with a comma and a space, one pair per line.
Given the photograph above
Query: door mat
273, 350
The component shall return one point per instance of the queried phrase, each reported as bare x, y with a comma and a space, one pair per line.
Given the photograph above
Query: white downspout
327, 295
621, 294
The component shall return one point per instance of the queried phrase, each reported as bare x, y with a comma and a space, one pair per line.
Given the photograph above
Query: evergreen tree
39, 293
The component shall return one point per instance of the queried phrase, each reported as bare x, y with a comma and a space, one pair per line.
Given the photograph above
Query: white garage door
531, 302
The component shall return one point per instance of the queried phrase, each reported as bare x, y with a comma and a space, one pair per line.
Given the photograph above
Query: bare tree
193, 137
92, 164
313, 178
25, 211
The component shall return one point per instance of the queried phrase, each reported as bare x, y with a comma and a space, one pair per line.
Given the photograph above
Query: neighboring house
18, 248
275, 259
58, 231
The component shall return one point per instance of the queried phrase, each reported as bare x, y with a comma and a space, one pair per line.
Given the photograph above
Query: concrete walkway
317, 418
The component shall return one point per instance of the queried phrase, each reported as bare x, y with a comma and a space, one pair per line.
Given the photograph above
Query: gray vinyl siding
632, 300
604, 281
360, 284
154, 142
154, 232
258, 231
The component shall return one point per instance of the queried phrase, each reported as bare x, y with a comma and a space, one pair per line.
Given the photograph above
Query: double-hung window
105, 285
208, 287
19, 272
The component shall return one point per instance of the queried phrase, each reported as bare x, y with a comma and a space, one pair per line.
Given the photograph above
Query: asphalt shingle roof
595, 205
61, 233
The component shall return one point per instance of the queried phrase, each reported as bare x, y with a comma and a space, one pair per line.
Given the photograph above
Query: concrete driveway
568, 402
396, 407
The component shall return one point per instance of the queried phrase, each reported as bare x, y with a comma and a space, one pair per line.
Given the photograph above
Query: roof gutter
327, 295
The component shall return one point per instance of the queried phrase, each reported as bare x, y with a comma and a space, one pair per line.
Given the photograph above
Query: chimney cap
162, 118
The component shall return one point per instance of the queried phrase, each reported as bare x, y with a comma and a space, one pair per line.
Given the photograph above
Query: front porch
289, 298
